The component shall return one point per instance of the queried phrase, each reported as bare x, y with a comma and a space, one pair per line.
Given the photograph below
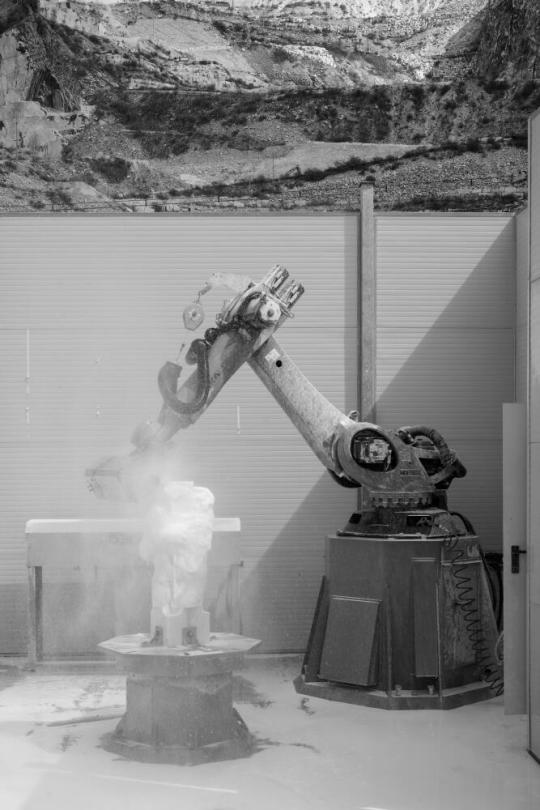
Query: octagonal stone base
179, 700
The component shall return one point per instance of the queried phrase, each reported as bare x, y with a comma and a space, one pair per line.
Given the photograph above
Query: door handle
515, 551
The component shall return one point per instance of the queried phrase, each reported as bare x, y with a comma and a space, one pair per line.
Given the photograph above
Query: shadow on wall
451, 371
455, 373
280, 592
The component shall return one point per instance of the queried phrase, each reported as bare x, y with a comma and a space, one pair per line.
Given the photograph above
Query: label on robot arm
272, 356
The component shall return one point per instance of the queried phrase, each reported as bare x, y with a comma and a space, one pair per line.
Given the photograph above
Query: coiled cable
467, 598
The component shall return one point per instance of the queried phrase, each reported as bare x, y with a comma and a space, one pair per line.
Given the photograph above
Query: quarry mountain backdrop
196, 105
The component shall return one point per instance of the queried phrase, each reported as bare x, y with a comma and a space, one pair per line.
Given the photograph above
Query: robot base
179, 700
406, 699
402, 622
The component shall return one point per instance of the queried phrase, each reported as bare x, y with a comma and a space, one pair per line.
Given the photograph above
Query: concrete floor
312, 754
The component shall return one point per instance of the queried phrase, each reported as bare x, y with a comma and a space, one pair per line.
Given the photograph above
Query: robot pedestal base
405, 699
403, 623
179, 700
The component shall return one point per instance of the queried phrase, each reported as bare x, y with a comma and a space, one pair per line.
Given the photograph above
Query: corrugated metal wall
445, 342
89, 311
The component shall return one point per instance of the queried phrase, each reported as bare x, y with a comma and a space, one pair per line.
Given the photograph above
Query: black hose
168, 381
434, 436
450, 466
245, 304
466, 522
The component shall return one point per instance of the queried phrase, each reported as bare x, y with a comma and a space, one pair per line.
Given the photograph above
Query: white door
515, 535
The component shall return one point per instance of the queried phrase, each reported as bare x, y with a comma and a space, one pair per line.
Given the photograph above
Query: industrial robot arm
396, 468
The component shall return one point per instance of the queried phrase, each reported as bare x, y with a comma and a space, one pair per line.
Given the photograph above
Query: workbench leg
39, 613
234, 584
35, 617
31, 612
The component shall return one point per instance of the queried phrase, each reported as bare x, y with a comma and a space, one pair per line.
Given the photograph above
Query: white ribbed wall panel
93, 306
445, 342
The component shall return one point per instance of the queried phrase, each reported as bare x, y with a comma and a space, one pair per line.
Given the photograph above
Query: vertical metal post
439, 636
367, 308
27, 382
388, 642
366, 314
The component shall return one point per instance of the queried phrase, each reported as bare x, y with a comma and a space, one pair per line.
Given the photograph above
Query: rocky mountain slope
509, 41
185, 104
336, 9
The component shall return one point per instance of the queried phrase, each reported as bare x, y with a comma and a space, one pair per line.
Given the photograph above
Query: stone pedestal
179, 700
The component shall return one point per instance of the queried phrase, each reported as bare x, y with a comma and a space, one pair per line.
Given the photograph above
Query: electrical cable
467, 598
168, 380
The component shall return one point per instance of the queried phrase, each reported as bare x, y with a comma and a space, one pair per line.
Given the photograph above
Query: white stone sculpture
176, 541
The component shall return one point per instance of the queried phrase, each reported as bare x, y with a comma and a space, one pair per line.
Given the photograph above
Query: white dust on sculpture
176, 541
